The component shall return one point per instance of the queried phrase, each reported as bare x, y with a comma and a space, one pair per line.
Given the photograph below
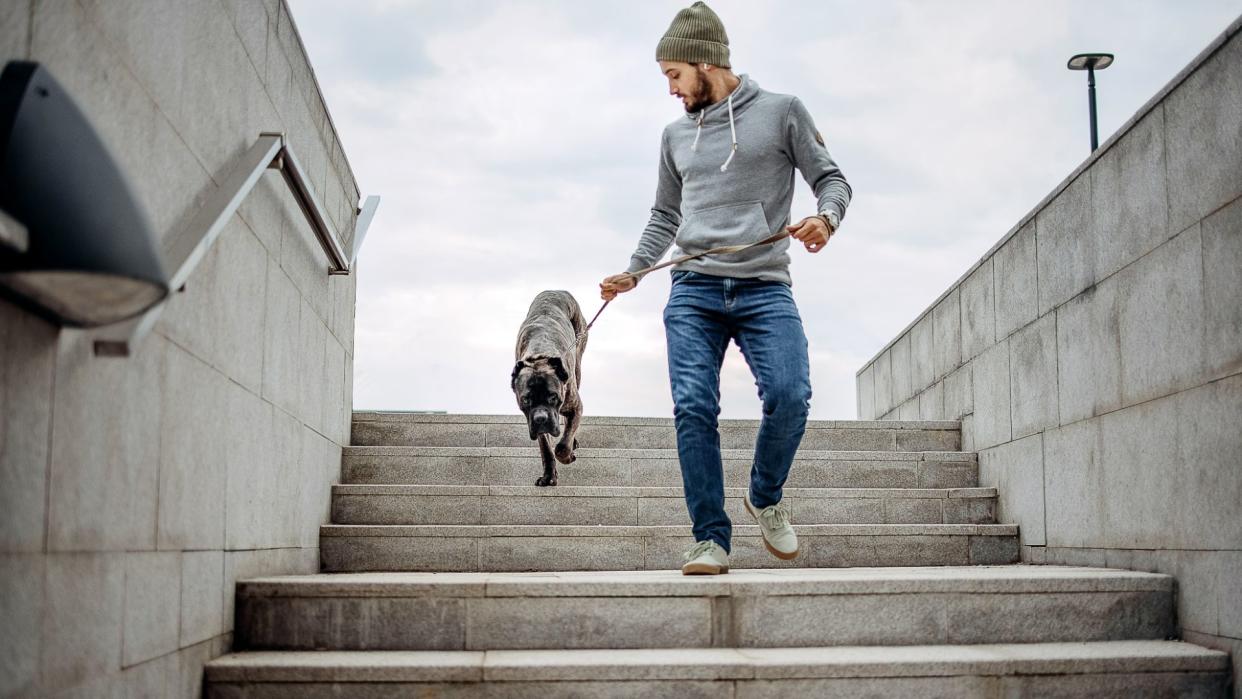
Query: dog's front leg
569, 444
549, 462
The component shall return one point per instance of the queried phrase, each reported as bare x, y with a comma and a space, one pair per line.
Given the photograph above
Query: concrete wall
133, 492
1094, 355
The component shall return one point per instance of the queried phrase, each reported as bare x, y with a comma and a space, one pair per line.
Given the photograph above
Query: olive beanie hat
696, 36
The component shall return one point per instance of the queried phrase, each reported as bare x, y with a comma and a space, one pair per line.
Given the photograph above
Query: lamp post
1091, 62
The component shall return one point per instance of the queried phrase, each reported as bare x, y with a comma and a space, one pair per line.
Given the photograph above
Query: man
726, 177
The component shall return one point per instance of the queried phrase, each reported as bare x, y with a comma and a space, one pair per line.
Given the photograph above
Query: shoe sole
771, 549
703, 569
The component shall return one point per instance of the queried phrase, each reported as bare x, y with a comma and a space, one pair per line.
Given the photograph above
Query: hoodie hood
728, 108
743, 96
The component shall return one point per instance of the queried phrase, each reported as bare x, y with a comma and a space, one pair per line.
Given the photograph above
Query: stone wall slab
1065, 253
1160, 309
947, 329
978, 311
27, 367
1129, 208
152, 605
1033, 377
1089, 353
991, 396
1203, 123
1016, 470
1016, 289
1222, 287
105, 457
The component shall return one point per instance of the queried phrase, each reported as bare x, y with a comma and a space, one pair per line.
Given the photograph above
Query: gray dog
546, 376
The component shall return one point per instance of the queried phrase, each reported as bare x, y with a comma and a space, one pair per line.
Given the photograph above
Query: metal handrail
183, 254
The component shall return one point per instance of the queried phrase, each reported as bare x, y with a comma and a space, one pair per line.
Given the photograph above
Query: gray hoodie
711, 194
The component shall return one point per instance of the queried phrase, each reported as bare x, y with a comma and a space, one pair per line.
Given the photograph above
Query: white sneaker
778, 533
705, 558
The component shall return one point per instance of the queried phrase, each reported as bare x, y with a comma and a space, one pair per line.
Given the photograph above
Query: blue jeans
703, 313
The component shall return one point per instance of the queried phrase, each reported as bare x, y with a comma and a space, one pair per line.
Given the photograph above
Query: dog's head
539, 384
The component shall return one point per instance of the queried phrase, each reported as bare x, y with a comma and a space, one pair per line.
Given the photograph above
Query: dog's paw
545, 481
566, 455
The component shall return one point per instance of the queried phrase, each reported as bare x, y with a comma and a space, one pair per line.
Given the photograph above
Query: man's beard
701, 94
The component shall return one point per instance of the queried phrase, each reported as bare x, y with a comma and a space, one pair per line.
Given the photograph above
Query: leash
686, 258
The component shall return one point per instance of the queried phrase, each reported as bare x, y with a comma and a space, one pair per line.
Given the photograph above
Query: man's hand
616, 284
812, 231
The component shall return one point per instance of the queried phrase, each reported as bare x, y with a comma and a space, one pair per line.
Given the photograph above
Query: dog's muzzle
544, 421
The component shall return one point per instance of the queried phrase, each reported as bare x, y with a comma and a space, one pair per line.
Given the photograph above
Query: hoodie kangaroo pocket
730, 224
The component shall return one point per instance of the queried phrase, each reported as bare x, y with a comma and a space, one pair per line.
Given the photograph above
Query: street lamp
1091, 62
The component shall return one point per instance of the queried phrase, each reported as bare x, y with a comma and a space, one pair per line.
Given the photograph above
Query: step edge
648, 492
649, 453
763, 582
494, 531
511, 530
625, 421
841, 662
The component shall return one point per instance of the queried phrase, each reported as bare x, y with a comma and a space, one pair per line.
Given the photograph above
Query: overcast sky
515, 147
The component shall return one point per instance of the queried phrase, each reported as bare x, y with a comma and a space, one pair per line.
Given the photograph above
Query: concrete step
620, 505
496, 548
652, 467
1099, 669
664, 609
419, 429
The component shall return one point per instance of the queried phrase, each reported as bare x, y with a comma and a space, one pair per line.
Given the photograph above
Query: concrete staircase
905, 585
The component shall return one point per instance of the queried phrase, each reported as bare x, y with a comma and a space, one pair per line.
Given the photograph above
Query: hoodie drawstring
732, 134
694, 147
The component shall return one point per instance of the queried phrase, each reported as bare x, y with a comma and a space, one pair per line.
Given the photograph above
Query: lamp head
1084, 61
88, 256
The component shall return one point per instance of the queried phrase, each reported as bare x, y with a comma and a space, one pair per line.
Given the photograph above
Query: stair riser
508, 470
768, 621
643, 511
394, 433
552, 553
1092, 686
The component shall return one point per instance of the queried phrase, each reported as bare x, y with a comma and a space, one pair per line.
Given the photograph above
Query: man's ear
516, 368
559, 368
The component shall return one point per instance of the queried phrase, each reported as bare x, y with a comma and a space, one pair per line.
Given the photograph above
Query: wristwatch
830, 217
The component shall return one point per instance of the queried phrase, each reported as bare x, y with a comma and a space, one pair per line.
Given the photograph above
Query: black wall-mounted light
88, 256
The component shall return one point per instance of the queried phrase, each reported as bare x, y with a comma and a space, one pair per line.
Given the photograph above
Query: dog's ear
559, 368
513, 377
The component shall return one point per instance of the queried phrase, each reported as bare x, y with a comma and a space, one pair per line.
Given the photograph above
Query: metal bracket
15, 239
186, 251
365, 214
